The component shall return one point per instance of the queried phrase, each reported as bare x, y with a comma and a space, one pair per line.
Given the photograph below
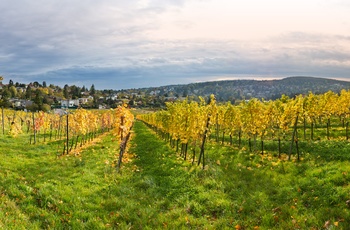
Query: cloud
114, 44
147, 63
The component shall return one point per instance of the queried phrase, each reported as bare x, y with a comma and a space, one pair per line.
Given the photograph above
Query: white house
112, 97
83, 100
68, 103
75, 102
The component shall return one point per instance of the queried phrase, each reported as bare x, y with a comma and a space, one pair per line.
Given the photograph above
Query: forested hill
245, 89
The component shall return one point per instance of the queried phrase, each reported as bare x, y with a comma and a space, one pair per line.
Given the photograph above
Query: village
35, 96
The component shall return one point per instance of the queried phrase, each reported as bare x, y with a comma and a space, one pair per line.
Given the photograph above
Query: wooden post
279, 147
293, 136
201, 154
67, 149
33, 116
328, 126
50, 130
239, 139
3, 123
217, 127
250, 144
122, 148
297, 145
304, 128
185, 151
194, 151
121, 125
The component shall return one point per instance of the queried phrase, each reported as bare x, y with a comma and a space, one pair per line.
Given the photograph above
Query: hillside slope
245, 89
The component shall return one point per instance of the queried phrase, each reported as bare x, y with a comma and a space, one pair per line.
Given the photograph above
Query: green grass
41, 190
247, 189
157, 189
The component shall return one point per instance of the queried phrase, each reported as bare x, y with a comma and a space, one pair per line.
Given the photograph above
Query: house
112, 97
154, 93
85, 93
21, 89
170, 98
69, 103
75, 103
20, 103
101, 106
136, 95
83, 100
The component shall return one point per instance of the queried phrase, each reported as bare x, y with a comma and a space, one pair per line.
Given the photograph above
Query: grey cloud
332, 55
105, 43
161, 71
310, 48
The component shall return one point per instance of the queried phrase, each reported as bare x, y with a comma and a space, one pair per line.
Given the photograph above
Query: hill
245, 89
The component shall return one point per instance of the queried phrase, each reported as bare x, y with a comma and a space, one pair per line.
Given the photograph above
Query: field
156, 189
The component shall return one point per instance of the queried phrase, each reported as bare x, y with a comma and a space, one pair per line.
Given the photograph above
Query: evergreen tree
185, 93
28, 92
38, 98
92, 90
77, 92
66, 91
36, 84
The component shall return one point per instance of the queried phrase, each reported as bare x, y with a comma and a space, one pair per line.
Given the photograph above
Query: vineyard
259, 164
308, 118
70, 129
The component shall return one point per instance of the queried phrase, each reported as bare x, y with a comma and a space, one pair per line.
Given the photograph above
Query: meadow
157, 189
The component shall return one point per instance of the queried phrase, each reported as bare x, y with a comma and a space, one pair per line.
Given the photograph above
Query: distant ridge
231, 90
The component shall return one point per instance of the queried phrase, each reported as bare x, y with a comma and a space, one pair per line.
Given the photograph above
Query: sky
123, 44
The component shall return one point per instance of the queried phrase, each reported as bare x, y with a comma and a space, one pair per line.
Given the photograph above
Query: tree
92, 90
44, 84
33, 107
75, 91
13, 91
45, 107
131, 103
185, 93
38, 98
66, 91
36, 84
28, 92
10, 83
6, 94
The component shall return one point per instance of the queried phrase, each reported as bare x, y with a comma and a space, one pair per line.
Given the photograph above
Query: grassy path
165, 191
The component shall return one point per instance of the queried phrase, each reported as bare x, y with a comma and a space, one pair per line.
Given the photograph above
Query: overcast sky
120, 44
